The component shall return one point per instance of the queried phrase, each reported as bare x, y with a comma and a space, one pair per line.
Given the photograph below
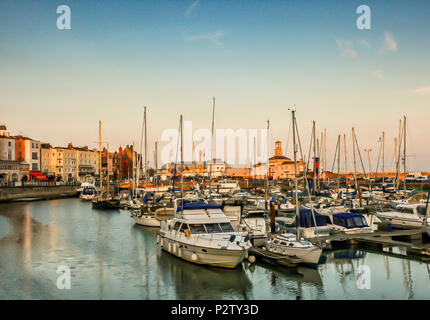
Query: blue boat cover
358, 210
306, 219
148, 196
349, 220
197, 205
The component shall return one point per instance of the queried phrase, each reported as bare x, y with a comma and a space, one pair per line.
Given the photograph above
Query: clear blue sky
256, 57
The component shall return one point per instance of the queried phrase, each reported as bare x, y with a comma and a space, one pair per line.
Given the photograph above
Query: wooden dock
385, 239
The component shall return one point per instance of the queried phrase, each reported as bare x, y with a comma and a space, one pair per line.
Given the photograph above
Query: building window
34, 167
34, 156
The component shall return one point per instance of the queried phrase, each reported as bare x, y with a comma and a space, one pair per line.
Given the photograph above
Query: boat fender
161, 242
179, 252
158, 238
169, 247
187, 233
194, 257
251, 259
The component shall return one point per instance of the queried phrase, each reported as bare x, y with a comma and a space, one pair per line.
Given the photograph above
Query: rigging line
288, 137
310, 145
335, 153
359, 154
379, 157
398, 158
176, 158
306, 171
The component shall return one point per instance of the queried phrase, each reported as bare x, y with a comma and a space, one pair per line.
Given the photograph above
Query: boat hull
147, 221
86, 197
203, 255
403, 222
310, 256
105, 205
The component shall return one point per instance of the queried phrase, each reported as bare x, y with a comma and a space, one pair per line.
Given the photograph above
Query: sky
258, 58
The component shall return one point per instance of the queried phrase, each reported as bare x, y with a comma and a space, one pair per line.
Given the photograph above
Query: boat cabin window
276, 241
184, 227
226, 227
360, 222
213, 228
339, 222
197, 228
407, 210
421, 211
176, 226
88, 190
283, 243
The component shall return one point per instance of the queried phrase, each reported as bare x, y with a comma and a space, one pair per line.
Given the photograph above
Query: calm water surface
112, 258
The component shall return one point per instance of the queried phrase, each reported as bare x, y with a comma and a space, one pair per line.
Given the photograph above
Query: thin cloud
425, 90
390, 43
191, 8
346, 48
364, 43
378, 74
214, 37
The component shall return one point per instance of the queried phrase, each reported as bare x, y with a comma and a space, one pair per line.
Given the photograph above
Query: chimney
70, 145
85, 148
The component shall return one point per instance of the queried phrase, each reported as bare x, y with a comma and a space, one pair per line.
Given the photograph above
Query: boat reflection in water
204, 282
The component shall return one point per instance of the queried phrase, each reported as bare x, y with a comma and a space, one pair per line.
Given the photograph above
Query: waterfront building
69, 163
10, 171
87, 162
9, 167
7, 145
27, 152
218, 168
280, 167
238, 173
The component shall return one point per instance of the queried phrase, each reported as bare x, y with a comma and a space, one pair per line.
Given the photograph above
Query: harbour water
112, 258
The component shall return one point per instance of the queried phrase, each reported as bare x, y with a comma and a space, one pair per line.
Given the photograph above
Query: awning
38, 175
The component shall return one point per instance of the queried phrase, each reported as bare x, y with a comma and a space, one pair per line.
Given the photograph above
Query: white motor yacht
88, 191
201, 233
407, 216
288, 245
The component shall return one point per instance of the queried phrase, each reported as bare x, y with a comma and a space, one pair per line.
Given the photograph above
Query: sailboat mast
182, 160
315, 157
355, 163
212, 144
156, 165
107, 168
383, 156
100, 154
346, 163
295, 170
255, 159
267, 166
146, 164
398, 155
140, 151
134, 174
338, 163
325, 154
404, 153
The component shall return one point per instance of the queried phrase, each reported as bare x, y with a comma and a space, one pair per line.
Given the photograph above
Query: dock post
389, 227
272, 217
